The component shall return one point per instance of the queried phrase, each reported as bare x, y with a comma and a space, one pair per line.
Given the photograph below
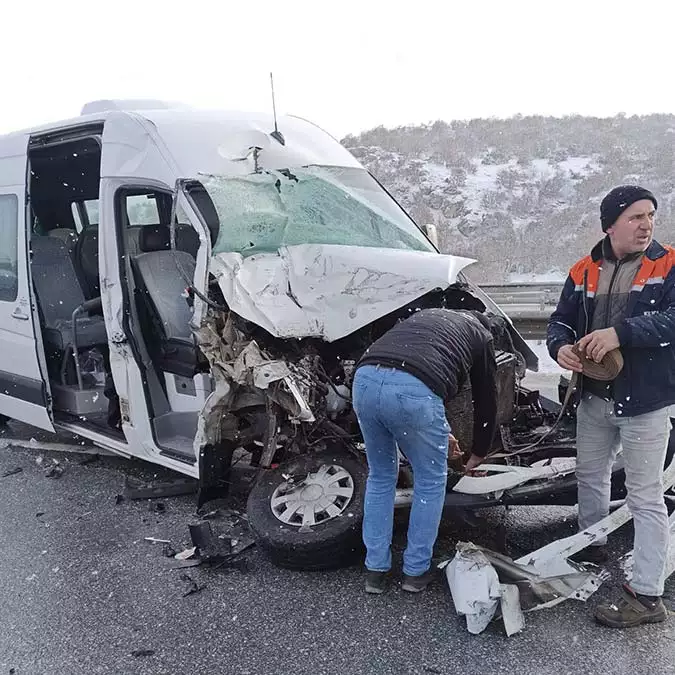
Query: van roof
166, 141
101, 110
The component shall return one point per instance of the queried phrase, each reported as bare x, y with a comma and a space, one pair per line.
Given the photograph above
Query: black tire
329, 545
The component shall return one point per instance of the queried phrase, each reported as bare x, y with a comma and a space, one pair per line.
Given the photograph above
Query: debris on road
137, 653
187, 553
135, 489
217, 552
194, 587
169, 551
82, 448
90, 459
55, 470
480, 579
154, 540
476, 590
12, 472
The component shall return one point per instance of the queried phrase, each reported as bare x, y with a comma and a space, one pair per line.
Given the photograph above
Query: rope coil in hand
608, 368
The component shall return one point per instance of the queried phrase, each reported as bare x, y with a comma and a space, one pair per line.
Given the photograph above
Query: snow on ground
547, 379
546, 363
584, 166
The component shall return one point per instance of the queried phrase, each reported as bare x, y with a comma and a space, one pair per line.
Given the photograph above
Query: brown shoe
631, 610
419, 583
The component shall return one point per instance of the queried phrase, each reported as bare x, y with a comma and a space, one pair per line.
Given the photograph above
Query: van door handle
18, 313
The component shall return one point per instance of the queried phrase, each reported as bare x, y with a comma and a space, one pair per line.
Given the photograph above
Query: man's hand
596, 344
473, 462
453, 447
568, 360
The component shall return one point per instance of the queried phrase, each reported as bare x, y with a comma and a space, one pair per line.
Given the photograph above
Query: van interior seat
158, 238
59, 294
86, 261
162, 277
66, 234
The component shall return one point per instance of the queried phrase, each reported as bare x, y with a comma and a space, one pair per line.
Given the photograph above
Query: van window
91, 209
142, 210
9, 234
91, 206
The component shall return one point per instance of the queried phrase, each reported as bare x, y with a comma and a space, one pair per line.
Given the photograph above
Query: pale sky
347, 65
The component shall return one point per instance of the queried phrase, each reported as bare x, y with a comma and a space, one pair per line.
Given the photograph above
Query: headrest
154, 238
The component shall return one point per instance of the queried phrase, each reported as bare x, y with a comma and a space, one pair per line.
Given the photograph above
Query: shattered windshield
313, 205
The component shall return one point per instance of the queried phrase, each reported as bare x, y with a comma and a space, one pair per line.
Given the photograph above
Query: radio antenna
276, 134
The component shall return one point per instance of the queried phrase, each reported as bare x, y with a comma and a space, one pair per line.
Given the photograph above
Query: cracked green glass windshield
313, 205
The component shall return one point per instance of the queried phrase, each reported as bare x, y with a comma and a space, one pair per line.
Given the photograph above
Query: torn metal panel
545, 577
540, 592
480, 580
509, 476
551, 560
328, 291
243, 376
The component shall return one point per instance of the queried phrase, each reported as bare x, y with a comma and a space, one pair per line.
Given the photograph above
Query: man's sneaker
631, 610
418, 583
376, 582
598, 555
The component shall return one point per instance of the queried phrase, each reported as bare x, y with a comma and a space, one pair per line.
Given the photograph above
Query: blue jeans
395, 408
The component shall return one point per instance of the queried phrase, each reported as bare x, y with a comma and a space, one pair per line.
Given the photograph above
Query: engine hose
608, 368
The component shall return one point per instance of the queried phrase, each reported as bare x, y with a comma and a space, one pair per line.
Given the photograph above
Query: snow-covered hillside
522, 195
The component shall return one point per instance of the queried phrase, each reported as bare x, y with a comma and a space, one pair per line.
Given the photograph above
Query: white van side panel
24, 391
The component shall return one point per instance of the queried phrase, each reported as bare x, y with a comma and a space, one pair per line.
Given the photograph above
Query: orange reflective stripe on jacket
650, 272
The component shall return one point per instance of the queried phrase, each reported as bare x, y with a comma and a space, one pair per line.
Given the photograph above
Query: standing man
399, 392
623, 296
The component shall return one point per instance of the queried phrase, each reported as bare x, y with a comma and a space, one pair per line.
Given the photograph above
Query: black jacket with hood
442, 348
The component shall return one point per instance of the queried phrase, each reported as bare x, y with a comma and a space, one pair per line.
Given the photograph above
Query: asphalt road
82, 591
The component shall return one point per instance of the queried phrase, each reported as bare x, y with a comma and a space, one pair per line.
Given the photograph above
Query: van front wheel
307, 513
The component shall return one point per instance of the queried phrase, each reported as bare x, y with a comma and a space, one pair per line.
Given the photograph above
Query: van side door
24, 388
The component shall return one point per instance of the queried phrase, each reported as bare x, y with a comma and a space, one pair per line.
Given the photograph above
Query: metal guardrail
542, 294
528, 305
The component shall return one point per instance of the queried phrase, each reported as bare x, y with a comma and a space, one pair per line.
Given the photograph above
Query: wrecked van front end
310, 267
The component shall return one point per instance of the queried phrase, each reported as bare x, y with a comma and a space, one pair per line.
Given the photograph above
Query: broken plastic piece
474, 586
168, 551
187, 553
512, 613
194, 587
12, 472
54, 471
142, 652
137, 490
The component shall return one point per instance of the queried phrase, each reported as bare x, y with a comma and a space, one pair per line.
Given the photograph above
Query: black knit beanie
618, 200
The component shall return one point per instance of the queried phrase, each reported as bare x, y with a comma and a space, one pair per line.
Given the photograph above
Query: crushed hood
328, 291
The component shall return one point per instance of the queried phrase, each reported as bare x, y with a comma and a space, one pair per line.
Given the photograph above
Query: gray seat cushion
59, 293
160, 273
